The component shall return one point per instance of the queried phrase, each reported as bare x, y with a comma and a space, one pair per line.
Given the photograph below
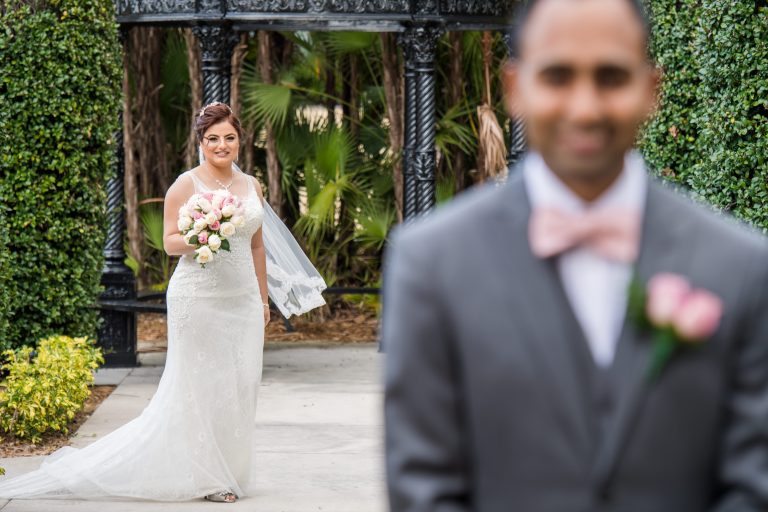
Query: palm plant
331, 144
159, 263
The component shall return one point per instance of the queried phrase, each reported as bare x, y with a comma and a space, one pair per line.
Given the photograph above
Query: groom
516, 381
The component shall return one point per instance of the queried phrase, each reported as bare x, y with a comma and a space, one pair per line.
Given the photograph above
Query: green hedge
734, 117
4, 277
711, 132
60, 88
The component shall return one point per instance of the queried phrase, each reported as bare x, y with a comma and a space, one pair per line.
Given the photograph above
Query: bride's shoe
222, 497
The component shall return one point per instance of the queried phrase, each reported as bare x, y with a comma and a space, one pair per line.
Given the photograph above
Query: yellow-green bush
44, 391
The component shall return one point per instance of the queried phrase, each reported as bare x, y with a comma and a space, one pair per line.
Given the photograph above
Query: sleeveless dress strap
199, 186
251, 187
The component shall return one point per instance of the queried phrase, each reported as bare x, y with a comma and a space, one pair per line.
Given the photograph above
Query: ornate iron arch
216, 23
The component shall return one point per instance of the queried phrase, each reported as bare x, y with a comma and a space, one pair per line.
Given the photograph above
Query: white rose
185, 222
227, 229
238, 221
218, 200
210, 218
229, 210
205, 205
200, 224
203, 254
193, 200
188, 236
214, 242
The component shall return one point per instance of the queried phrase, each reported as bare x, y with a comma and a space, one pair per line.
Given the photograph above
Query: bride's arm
177, 194
260, 259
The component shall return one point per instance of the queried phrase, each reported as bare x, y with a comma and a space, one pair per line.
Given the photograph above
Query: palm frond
152, 223
374, 223
453, 133
340, 43
266, 102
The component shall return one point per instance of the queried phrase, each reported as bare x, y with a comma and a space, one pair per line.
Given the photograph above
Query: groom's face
583, 84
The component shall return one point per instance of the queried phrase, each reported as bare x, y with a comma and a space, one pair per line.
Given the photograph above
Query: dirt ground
13, 447
351, 325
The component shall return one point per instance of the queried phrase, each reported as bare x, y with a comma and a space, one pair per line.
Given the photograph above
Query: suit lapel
666, 244
538, 302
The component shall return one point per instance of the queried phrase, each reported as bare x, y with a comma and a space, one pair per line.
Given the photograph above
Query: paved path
318, 435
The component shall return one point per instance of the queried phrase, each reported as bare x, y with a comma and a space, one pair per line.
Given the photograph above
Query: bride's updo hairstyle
215, 113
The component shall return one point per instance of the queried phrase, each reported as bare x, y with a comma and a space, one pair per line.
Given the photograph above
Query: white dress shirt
595, 286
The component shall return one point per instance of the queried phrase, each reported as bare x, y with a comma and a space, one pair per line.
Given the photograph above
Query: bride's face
220, 144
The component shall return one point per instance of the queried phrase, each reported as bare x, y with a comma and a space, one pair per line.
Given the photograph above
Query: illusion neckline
199, 184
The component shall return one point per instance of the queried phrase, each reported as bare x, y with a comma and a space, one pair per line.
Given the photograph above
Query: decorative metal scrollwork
476, 7
420, 44
321, 6
125, 7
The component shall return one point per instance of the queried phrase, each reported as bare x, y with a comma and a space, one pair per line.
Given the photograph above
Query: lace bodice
231, 272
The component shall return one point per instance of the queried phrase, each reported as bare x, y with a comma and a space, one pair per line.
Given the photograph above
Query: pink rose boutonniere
679, 315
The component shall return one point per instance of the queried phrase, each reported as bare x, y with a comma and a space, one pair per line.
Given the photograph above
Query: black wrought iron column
216, 44
117, 333
516, 127
419, 172
409, 132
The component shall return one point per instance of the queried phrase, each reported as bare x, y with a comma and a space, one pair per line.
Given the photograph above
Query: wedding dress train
195, 436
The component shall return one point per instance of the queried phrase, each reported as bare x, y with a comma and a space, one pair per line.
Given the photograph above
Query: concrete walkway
319, 434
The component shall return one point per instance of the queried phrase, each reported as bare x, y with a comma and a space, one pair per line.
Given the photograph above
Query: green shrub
44, 392
60, 78
711, 132
733, 173
4, 281
670, 139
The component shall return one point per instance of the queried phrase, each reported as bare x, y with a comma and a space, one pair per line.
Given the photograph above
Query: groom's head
582, 80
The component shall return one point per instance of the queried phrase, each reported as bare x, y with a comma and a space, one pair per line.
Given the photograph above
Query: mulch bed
14, 447
349, 325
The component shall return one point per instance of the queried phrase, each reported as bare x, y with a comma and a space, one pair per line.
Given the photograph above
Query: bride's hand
266, 316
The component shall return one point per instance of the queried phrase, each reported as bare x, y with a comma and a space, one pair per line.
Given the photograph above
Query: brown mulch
347, 325
14, 447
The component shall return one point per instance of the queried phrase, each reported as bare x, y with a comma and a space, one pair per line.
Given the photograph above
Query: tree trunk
456, 96
235, 99
196, 94
393, 91
149, 136
351, 96
274, 184
130, 183
238, 56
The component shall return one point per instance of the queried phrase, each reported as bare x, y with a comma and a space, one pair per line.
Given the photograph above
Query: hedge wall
60, 79
4, 281
711, 132
734, 117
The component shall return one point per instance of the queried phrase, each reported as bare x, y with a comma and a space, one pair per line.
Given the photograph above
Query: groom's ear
509, 78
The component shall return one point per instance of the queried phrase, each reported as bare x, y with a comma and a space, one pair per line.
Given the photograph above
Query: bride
194, 439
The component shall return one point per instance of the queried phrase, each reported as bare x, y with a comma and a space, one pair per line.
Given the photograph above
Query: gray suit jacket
493, 402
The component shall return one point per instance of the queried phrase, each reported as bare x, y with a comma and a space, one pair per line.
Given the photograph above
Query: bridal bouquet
207, 220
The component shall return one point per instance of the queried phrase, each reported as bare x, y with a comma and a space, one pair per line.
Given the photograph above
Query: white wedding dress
195, 436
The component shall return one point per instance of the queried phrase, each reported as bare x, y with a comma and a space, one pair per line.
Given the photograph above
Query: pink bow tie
614, 234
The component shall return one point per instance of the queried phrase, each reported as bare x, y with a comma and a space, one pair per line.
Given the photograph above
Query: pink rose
198, 215
228, 200
217, 213
699, 316
202, 237
666, 293
208, 196
215, 226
